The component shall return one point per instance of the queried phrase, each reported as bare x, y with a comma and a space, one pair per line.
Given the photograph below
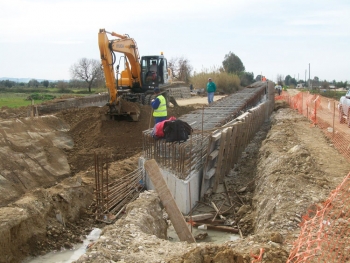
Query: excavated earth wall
32, 155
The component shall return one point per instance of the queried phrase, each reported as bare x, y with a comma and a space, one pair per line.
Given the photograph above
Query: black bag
176, 131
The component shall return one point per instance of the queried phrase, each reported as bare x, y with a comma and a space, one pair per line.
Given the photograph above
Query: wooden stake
168, 201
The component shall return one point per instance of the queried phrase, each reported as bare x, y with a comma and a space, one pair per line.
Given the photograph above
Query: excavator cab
154, 72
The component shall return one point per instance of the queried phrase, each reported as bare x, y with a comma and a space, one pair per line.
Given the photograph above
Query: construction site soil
288, 167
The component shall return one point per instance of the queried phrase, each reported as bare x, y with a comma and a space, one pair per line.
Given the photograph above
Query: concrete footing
185, 192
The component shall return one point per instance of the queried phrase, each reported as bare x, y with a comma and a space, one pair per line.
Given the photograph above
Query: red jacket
158, 128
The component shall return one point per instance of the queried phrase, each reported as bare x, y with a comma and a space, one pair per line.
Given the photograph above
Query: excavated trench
55, 207
283, 171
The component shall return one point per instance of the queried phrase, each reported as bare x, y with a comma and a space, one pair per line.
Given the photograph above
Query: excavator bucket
131, 109
124, 110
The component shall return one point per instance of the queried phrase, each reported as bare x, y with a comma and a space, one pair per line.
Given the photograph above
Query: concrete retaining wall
191, 168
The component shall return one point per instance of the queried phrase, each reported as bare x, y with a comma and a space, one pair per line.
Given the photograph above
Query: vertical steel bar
96, 178
102, 192
107, 190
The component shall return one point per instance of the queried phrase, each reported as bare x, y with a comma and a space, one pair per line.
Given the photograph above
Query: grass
332, 94
19, 99
15, 100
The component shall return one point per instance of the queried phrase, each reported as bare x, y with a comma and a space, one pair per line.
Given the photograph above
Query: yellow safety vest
161, 110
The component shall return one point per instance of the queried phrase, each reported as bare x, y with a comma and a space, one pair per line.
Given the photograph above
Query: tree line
314, 83
229, 77
87, 73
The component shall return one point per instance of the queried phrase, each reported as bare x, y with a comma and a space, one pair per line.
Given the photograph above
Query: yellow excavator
136, 82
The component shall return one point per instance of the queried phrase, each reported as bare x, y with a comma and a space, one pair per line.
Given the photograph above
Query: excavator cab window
150, 71
154, 71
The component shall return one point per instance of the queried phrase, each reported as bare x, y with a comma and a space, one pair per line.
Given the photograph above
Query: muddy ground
285, 170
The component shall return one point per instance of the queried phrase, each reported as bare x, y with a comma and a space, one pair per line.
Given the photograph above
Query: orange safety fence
323, 113
325, 230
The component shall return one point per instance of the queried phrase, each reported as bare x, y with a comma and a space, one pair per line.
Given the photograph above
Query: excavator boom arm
125, 45
107, 64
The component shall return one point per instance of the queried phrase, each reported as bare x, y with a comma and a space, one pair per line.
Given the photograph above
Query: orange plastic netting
324, 113
325, 229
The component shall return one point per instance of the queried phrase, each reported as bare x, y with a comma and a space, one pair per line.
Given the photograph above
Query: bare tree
280, 79
88, 70
180, 68
62, 86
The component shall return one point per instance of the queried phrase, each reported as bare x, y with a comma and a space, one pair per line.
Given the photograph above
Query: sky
42, 39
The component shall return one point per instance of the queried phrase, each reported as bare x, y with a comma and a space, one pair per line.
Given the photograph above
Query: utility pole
309, 77
305, 76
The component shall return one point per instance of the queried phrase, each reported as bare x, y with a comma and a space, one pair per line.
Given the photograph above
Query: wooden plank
213, 154
232, 149
211, 145
219, 161
217, 222
224, 156
168, 201
243, 135
248, 122
210, 173
199, 217
216, 136
237, 144
219, 228
225, 168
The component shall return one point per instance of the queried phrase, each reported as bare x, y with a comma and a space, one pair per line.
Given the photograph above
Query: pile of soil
118, 139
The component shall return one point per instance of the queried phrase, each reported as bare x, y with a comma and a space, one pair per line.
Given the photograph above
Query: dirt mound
117, 139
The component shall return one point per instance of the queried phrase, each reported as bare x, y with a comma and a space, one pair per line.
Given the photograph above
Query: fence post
315, 112
302, 103
333, 118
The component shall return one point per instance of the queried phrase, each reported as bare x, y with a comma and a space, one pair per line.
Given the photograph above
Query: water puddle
67, 256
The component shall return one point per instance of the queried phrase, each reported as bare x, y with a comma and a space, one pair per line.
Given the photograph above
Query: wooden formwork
227, 144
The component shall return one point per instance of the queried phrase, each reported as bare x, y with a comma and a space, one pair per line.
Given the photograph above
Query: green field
16, 100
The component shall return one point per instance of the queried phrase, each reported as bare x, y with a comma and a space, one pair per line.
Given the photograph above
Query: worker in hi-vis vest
159, 107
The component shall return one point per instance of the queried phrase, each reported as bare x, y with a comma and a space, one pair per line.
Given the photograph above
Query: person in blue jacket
211, 88
159, 107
